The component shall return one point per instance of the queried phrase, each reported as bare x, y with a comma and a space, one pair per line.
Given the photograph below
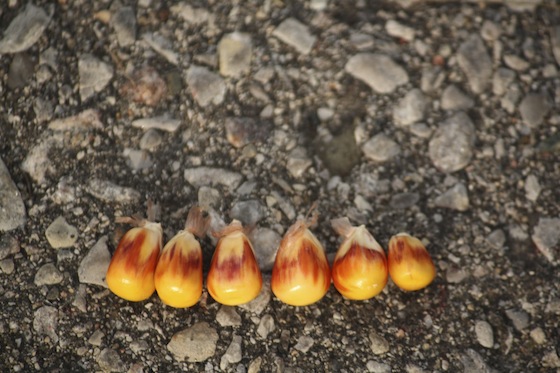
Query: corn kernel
410, 264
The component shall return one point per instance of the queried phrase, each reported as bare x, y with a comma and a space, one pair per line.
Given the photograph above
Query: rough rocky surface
436, 118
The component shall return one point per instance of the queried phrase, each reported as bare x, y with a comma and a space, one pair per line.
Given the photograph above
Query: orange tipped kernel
410, 264
360, 266
131, 272
234, 277
301, 273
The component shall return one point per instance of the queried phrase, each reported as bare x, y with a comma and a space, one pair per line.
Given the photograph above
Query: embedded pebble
265, 241
497, 239
474, 363
538, 335
162, 46
139, 346
110, 192
532, 188
258, 305
21, 70
94, 265
501, 80
234, 51
24, 30
150, 140
241, 131
298, 162
124, 24
205, 86
455, 275
421, 130
304, 343
45, 322
194, 344
490, 31
432, 78
484, 333
233, 353
453, 98
204, 176
546, 237
381, 148
534, 108
248, 212
96, 339
515, 62
228, 316
160, 123
138, 159
208, 197
519, 318
7, 266
190, 14
110, 361
60, 234
398, 30
411, 108
80, 301
37, 163
295, 34
455, 198
377, 367
48, 274
86, 120
94, 75
451, 145
474, 60
378, 344
266, 326
12, 210
145, 86
378, 71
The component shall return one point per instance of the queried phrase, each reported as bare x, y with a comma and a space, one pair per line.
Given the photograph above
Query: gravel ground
438, 119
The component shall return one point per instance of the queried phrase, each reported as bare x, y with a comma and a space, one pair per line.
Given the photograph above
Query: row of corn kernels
300, 276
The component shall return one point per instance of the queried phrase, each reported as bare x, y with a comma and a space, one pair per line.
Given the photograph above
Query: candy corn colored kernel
131, 271
360, 266
234, 277
301, 273
178, 275
410, 264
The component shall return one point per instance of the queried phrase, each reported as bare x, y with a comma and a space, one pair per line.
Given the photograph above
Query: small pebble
295, 34
266, 326
233, 353
451, 146
378, 71
474, 60
235, 51
194, 344
227, 316
205, 86
45, 322
24, 30
304, 343
532, 188
48, 274
378, 344
519, 318
93, 267
484, 334
455, 198
110, 361
546, 237
94, 75
381, 148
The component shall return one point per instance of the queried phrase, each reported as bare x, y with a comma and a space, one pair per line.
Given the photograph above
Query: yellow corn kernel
301, 273
131, 272
234, 277
360, 266
410, 264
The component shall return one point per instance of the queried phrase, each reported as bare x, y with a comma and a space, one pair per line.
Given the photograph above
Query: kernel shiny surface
131, 272
178, 275
410, 264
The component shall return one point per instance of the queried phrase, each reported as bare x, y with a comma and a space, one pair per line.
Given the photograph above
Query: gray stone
484, 333
241, 131
455, 275
265, 241
259, 304
138, 159
475, 62
555, 42
490, 31
453, 98
515, 62
7, 266
60, 234
84, 121
501, 80
455, 198
45, 322
205, 86
227, 316
12, 210
432, 78
378, 344
511, 98
474, 363
235, 51
124, 24
266, 326
93, 267
139, 346
21, 71
233, 353
421, 130
381, 148
80, 301
378, 71
532, 188
451, 145
304, 343
43, 109
110, 361
24, 30
96, 339
398, 30
110, 192
534, 108
208, 197
162, 46
194, 344
496, 239
411, 108
150, 140
204, 176
94, 75
194, 16
161, 123
538, 336
401, 201
48, 274
377, 367
546, 237
295, 34
519, 318
298, 162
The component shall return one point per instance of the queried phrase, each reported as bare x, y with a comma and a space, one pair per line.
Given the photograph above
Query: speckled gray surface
435, 118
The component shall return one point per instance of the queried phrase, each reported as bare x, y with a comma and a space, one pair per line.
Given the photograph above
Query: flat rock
248, 212
228, 316
110, 192
241, 131
94, 75
162, 46
474, 363
205, 176
534, 108
298, 162
87, 120
405, 200
453, 99
381, 148
233, 353
501, 80
8, 246
21, 70
93, 267
546, 237
37, 163
110, 361
519, 318
60, 234
234, 51
455, 198
265, 241
411, 108
12, 210
398, 30
474, 60
515, 62
48, 274
304, 343
192, 15
205, 86
162, 123
24, 30
45, 322
484, 333
296, 34
194, 344
150, 140
377, 367
124, 24
451, 146
378, 344
532, 188
378, 71
266, 326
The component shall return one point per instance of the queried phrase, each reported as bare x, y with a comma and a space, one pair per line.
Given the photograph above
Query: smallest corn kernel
410, 264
